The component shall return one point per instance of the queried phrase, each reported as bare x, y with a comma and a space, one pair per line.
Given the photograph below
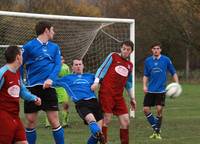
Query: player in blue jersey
154, 83
43, 62
78, 86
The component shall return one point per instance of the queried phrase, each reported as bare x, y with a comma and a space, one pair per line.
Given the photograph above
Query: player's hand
133, 104
145, 89
38, 101
94, 86
47, 83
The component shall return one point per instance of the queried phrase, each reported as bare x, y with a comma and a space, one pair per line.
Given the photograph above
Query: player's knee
146, 110
159, 113
21, 142
124, 124
31, 123
106, 120
66, 106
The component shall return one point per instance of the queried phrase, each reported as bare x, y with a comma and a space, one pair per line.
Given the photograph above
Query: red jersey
116, 76
9, 91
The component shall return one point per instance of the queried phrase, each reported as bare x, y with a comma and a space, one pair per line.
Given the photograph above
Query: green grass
181, 123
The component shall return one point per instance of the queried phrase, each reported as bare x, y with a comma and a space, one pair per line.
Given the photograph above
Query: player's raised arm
101, 72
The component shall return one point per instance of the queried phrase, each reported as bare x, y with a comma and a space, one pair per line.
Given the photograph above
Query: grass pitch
181, 122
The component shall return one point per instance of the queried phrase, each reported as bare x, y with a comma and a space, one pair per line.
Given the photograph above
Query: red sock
124, 136
104, 130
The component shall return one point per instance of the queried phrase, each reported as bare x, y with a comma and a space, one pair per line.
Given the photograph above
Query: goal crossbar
62, 17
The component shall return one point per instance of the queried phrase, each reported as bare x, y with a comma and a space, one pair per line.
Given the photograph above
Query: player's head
156, 49
126, 48
13, 54
46, 28
77, 66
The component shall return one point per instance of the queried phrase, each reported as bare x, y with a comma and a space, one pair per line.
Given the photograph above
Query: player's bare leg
21, 142
30, 127
65, 114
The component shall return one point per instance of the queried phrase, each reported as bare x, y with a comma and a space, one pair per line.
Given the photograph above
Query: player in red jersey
114, 75
11, 89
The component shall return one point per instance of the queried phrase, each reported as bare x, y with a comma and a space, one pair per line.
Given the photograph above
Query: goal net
91, 39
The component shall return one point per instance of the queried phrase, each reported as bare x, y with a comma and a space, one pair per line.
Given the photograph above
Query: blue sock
92, 140
31, 135
152, 120
58, 134
94, 127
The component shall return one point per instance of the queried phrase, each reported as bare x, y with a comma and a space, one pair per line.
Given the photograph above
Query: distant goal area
90, 39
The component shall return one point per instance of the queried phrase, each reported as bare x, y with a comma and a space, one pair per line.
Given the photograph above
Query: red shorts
113, 104
12, 129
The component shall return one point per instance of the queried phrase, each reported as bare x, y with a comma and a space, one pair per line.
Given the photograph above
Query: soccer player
11, 89
78, 86
154, 82
114, 75
63, 97
43, 63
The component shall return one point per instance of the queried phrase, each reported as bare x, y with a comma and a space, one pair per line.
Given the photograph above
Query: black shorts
48, 98
84, 107
153, 99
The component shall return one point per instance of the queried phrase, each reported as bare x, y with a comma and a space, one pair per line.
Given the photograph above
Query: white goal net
79, 37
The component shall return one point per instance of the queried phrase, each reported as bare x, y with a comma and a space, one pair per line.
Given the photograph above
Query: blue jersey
42, 61
78, 86
156, 71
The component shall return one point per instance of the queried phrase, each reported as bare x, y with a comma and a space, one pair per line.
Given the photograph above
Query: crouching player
78, 86
11, 88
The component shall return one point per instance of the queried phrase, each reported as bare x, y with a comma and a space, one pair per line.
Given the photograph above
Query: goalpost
89, 38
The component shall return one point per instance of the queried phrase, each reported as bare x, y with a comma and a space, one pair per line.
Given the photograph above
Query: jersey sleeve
25, 57
1, 81
57, 66
170, 67
25, 94
101, 72
146, 69
2, 71
63, 82
129, 83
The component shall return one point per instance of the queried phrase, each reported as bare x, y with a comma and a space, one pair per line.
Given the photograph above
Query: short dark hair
79, 59
11, 52
128, 43
41, 26
156, 44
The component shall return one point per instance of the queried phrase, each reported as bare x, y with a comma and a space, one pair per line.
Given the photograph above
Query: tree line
175, 23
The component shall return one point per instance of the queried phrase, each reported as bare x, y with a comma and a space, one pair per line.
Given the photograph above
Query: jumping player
114, 75
43, 63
